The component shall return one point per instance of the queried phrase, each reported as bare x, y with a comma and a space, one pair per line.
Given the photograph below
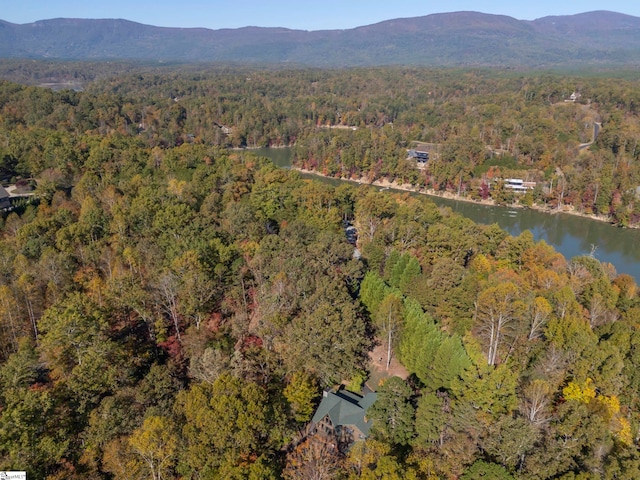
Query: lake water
281, 157
568, 234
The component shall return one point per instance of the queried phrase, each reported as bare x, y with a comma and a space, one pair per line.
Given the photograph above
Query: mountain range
598, 38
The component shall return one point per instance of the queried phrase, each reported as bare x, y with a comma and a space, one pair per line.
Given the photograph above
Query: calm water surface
568, 234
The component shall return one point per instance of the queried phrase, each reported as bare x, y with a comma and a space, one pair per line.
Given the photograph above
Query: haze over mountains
597, 38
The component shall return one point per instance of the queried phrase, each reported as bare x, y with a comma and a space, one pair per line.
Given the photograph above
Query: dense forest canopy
482, 126
172, 307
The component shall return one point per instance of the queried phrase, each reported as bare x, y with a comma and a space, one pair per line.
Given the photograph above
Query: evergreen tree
392, 413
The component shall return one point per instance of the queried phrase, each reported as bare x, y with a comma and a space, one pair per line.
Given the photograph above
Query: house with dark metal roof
5, 199
343, 414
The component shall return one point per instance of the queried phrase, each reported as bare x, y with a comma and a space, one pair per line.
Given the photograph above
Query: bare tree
536, 397
539, 313
167, 290
497, 308
388, 319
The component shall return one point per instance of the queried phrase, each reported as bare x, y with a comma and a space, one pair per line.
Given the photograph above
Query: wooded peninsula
173, 306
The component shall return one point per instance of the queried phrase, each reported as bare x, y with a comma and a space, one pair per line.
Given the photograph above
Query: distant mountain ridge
445, 39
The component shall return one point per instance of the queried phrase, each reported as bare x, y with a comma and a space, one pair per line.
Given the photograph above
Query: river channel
568, 234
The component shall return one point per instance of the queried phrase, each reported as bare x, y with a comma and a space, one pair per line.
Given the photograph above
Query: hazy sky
300, 14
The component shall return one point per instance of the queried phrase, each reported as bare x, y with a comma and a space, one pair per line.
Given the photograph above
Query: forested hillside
173, 308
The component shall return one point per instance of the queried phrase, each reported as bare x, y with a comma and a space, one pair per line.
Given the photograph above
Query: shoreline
274, 147
386, 184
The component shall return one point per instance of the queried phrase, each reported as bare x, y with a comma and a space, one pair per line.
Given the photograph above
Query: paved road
596, 131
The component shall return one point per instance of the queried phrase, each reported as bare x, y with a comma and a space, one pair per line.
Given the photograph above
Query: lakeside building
5, 199
518, 185
421, 157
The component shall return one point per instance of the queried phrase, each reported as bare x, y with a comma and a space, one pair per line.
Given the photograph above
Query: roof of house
346, 408
5, 198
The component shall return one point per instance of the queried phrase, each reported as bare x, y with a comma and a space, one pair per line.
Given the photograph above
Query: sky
300, 14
